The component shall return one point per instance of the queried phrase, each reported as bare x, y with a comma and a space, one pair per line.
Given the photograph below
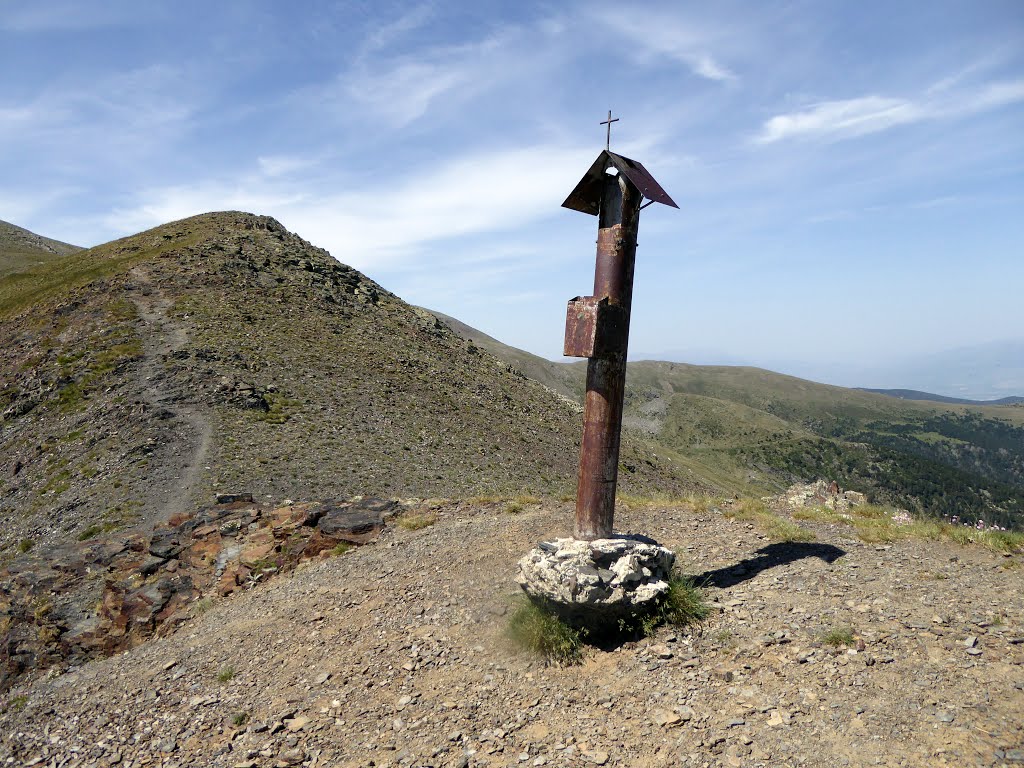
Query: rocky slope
21, 249
394, 655
224, 353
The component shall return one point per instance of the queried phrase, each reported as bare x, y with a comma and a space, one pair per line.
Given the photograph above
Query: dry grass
417, 521
875, 524
775, 527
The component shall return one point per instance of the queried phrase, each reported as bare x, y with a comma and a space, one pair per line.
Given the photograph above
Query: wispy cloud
388, 33
406, 91
850, 118
840, 119
385, 221
122, 110
273, 166
397, 88
670, 35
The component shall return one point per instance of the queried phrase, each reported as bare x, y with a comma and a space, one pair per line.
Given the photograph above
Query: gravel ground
395, 654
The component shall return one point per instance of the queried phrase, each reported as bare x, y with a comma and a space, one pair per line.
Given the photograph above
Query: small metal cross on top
608, 122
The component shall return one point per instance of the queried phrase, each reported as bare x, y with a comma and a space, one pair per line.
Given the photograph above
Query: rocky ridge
826, 653
20, 248
140, 377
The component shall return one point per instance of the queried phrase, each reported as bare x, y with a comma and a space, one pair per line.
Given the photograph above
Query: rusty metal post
597, 327
606, 369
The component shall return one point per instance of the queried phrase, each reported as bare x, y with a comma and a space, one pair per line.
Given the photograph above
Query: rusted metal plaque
581, 326
594, 327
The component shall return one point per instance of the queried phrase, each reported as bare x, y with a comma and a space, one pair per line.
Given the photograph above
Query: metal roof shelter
586, 197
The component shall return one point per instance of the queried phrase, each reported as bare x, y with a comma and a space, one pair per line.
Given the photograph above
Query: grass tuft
90, 532
877, 531
683, 603
15, 704
417, 521
341, 548
838, 637
202, 605
875, 524
822, 515
225, 674
543, 633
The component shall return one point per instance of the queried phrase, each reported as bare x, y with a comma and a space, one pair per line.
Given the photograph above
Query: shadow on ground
767, 557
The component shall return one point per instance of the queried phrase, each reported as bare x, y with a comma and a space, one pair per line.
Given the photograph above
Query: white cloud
836, 120
840, 119
386, 221
995, 95
284, 165
385, 35
670, 35
406, 92
397, 89
121, 112
707, 67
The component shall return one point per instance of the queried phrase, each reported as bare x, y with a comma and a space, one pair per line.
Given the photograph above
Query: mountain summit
223, 353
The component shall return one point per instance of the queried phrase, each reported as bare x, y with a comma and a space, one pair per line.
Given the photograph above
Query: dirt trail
177, 460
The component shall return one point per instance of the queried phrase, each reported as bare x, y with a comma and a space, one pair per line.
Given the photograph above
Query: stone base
597, 584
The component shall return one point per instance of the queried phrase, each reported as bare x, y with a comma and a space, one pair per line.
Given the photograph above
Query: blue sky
850, 176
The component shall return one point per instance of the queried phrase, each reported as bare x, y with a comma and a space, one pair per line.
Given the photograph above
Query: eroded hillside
224, 353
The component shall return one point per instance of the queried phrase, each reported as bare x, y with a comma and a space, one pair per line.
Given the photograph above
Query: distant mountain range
913, 394
979, 373
749, 430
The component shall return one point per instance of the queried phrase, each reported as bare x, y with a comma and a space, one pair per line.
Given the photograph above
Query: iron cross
608, 122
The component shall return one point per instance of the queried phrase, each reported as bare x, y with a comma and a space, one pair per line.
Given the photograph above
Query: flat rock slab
593, 584
356, 521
